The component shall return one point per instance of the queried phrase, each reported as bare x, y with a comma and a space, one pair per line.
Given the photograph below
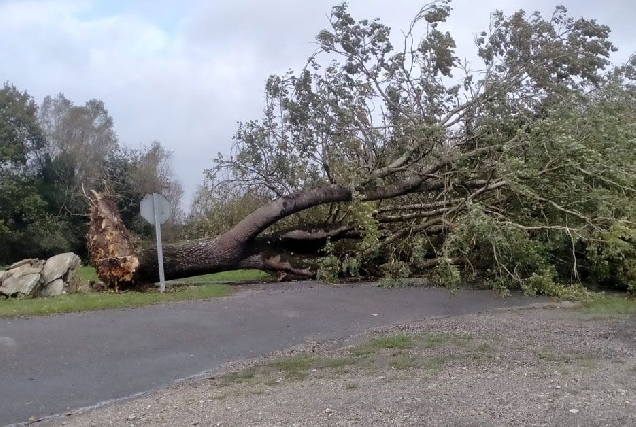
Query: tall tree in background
393, 160
218, 206
79, 141
27, 228
133, 173
83, 153
49, 155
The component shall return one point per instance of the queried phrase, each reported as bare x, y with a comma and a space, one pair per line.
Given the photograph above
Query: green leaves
557, 53
47, 155
26, 227
506, 171
20, 135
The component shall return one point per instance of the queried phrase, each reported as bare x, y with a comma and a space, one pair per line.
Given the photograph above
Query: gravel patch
531, 367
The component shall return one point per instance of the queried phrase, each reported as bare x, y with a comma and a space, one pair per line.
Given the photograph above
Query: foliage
50, 155
612, 255
27, 229
130, 174
218, 207
329, 265
517, 171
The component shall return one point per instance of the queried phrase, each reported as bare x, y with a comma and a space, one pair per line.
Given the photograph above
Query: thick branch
417, 206
301, 241
415, 215
280, 265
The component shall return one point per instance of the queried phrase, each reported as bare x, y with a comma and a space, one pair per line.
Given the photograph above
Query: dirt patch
534, 367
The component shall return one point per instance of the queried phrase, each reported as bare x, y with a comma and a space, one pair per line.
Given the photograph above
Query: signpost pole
162, 277
156, 209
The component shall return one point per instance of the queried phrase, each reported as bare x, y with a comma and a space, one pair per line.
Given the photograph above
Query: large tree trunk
121, 261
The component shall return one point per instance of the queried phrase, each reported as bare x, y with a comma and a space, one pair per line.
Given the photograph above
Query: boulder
62, 266
32, 277
26, 284
28, 261
52, 289
23, 269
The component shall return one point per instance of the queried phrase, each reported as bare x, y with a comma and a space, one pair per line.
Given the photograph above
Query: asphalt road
49, 365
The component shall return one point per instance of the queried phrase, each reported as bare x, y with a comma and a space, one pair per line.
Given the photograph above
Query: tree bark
122, 262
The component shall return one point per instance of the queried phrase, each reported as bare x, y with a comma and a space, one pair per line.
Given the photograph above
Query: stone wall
34, 277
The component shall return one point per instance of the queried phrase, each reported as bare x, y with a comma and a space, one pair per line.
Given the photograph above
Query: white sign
156, 210
155, 206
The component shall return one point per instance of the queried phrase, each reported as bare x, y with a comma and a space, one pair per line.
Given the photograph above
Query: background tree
388, 160
49, 155
133, 173
79, 137
27, 229
84, 153
79, 142
216, 208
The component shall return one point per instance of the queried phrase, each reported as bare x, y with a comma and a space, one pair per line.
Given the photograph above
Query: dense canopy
395, 158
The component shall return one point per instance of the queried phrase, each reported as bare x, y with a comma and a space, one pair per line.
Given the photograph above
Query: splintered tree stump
110, 245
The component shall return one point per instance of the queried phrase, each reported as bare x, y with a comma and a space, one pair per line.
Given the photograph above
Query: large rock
22, 278
28, 261
53, 289
31, 277
62, 266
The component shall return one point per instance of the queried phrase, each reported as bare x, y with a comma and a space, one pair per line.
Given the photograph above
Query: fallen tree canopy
395, 161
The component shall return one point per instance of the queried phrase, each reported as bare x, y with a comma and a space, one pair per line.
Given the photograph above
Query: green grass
239, 376
103, 301
400, 352
208, 286
397, 341
230, 276
298, 367
611, 306
550, 353
334, 363
87, 273
294, 367
438, 362
405, 362
437, 340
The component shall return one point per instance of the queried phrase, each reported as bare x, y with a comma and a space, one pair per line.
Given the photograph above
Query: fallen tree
393, 161
119, 259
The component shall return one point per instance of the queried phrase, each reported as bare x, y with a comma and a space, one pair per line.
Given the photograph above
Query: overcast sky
184, 72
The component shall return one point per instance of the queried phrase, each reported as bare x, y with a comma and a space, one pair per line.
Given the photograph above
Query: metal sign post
156, 210
162, 276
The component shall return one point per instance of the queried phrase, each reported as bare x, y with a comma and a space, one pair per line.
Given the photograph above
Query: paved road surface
49, 365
